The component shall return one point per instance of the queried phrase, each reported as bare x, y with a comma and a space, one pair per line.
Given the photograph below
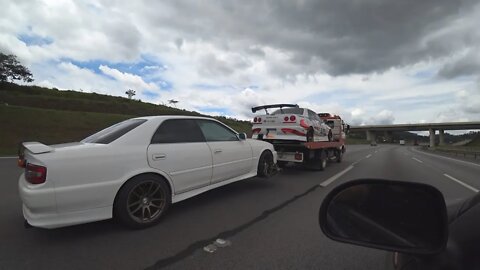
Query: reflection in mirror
405, 216
242, 136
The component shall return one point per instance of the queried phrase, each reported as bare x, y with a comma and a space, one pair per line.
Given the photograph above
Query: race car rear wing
265, 107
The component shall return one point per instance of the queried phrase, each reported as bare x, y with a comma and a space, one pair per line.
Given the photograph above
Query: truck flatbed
308, 145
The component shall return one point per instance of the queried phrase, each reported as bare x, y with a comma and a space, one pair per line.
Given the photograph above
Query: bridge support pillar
371, 136
389, 136
432, 137
441, 137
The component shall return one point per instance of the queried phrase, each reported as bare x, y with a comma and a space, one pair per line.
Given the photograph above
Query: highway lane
272, 224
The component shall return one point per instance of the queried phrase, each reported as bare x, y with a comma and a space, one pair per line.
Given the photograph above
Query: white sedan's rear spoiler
37, 147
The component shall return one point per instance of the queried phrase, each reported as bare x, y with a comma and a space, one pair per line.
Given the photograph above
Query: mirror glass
390, 215
242, 136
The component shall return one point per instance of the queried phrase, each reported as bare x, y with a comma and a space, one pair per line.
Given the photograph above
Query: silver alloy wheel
146, 202
268, 166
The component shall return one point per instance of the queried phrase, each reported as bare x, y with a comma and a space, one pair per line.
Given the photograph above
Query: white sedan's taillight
35, 174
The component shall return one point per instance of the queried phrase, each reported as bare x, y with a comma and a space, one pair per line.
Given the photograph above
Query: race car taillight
35, 174
285, 119
292, 118
255, 119
303, 124
259, 119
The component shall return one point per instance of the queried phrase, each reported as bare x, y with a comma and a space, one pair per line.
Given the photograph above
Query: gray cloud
211, 66
338, 37
469, 64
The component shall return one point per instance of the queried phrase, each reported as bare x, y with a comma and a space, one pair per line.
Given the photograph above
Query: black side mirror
348, 129
390, 215
242, 136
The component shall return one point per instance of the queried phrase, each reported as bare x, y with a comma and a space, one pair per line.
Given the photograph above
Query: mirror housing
242, 136
390, 215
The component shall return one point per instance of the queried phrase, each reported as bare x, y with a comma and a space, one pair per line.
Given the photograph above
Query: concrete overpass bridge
372, 130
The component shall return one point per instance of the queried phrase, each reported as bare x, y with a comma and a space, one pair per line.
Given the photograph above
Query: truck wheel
142, 201
339, 155
323, 163
310, 134
266, 167
319, 163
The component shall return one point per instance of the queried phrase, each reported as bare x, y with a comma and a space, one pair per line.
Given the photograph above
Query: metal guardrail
457, 152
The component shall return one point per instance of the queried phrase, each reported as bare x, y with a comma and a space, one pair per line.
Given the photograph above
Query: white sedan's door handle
217, 151
158, 156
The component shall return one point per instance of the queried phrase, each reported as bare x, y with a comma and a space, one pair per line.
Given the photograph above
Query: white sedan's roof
160, 117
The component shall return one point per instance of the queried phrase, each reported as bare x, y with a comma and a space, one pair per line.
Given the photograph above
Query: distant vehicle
311, 153
289, 123
135, 169
373, 143
415, 142
402, 142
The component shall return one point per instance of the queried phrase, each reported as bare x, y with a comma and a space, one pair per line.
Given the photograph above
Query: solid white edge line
7, 157
335, 177
416, 159
439, 156
368, 156
460, 182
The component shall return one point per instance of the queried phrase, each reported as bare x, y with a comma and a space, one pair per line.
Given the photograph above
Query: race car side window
215, 132
312, 115
178, 131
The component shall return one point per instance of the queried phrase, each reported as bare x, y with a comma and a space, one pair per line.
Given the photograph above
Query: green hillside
475, 142
31, 113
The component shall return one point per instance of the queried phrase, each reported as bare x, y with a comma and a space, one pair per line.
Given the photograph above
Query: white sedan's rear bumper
39, 207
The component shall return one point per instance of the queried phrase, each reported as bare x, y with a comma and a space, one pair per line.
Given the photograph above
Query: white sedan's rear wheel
142, 201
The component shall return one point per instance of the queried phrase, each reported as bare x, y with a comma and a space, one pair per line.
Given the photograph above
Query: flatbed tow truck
313, 155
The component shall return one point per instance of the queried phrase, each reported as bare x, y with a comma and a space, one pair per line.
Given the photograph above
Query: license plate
271, 133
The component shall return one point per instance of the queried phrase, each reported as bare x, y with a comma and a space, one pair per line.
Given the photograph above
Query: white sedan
135, 169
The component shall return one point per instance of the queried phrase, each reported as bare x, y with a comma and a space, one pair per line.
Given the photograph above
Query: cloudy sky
371, 61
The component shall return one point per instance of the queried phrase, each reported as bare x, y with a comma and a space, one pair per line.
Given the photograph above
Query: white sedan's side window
178, 131
215, 132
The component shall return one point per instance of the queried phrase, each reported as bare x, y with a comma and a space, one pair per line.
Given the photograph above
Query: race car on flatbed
300, 135
289, 123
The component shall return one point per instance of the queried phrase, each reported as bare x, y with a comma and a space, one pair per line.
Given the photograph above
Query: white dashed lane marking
460, 182
417, 160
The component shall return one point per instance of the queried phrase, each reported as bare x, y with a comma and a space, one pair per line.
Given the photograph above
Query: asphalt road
270, 224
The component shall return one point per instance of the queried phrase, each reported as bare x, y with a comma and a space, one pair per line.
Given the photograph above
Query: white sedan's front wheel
266, 166
142, 201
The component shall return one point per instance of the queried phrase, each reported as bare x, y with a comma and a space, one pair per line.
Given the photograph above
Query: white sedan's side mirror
242, 136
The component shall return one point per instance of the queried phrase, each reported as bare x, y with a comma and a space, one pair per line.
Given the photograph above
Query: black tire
322, 163
319, 163
330, 135
266, 167
339, 155
310, 134
142, 201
